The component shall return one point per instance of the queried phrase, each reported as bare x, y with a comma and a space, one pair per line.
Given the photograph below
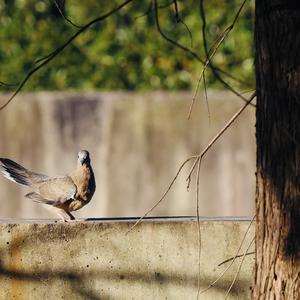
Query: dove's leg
64, 215
71, 217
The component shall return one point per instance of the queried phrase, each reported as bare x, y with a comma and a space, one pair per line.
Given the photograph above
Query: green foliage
125, 51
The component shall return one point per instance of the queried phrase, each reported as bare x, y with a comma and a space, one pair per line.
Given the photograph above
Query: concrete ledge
97, 260
128, 219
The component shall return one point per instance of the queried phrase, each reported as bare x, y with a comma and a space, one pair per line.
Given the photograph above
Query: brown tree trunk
277, 42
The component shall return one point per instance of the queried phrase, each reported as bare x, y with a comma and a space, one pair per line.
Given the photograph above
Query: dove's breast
85, 182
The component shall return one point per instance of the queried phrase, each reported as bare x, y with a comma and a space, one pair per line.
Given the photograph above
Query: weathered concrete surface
137, 143
97, 260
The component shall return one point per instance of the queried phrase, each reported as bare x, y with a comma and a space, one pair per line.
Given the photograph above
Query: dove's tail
14, 171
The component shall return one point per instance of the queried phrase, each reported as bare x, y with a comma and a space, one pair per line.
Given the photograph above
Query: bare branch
220, 133
198, 226
206, 99
7, 84
150, 9
64, 15
190, 52
232, 258
187, 50
164, 195
239, 269
211, 53
197, 160
179, 20
187, 28
44, 61
215, 69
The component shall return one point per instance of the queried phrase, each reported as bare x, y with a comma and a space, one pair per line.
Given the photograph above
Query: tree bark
277, 45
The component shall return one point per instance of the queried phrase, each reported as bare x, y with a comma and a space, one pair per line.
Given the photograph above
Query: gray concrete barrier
97, 260
137, 143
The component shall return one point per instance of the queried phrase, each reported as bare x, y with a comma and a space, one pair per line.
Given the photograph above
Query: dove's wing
54, 191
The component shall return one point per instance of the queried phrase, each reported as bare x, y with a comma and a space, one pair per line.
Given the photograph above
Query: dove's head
83, 157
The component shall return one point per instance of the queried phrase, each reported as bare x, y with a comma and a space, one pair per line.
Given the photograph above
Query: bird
63, 194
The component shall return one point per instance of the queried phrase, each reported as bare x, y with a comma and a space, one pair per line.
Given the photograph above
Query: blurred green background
125, 51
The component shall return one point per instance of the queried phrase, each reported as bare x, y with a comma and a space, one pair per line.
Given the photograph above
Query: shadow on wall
75, 282
137, 142
63, 261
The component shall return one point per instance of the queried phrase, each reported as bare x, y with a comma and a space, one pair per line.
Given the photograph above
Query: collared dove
64, 194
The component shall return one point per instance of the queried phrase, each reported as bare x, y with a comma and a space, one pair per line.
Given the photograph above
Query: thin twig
187, 28
219, 134
247, 91
179, 20
206, 100
47, 56
239, 269
215, 70
211, 53
187, 50
199, 227
164, 195
233, 260
64, 15
52, 55
176, 10
7, 84
202, 14
214, 49
150, 9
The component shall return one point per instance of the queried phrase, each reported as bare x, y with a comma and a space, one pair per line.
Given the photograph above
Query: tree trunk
277, 42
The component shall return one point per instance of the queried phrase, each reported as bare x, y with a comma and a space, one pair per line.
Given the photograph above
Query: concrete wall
137, 142
96, 260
